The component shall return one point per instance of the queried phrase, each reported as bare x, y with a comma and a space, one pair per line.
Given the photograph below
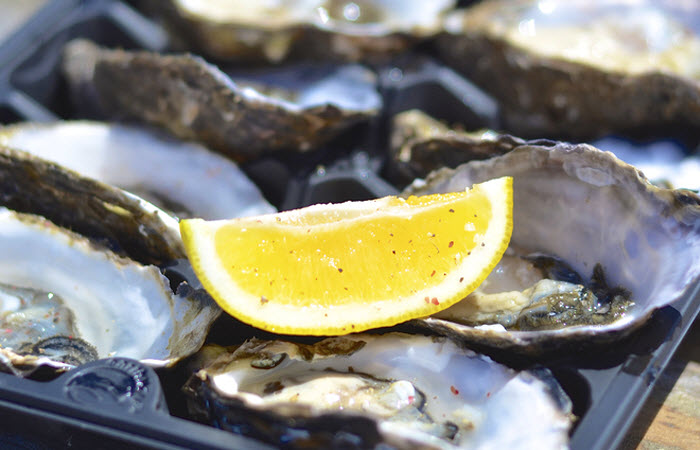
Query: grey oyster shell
303, 29
98, 249
369, 391
421, 144
632, 68
183, 178
196, 101
586, 207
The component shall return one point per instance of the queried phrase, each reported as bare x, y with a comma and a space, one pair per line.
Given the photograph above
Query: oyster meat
180, 177
636, 247
581, 70
102, 287
275, 30
363, 391
196, 101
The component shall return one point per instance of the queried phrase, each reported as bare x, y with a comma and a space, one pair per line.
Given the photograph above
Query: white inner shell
121, 307
484, 399
135, 159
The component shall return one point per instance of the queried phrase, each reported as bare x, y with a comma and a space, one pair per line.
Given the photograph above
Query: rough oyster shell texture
196, 101
587, 208
580, 70
146, 163
107, 275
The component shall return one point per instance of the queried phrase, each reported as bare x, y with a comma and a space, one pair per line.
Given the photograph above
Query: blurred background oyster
582, 69
275, 30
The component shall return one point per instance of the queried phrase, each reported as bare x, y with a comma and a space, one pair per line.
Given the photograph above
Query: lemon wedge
334, 269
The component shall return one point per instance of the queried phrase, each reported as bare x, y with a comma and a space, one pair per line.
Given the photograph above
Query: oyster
421, 144
579, 69
630, 241
363, 391
180, 177
196, 101
100, 301
274, 30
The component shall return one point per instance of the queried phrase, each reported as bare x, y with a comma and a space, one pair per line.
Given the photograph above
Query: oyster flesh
180, 177
68, 298
196, 101
275, 30
636, 246
581, 69
364, 391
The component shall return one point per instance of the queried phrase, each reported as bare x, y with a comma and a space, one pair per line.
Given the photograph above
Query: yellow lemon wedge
334, 269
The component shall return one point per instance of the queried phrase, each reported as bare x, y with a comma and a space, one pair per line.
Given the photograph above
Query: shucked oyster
66, 298
181, 177
630, 241
581, 69
363, 391
196, 101
275, 30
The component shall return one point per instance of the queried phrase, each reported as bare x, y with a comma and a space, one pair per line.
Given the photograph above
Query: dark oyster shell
196, 101
547, 96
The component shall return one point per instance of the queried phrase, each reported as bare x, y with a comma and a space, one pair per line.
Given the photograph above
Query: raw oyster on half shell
68, 297
630, 241
582, 69
183, 178
196, 101
275, 30
366, 391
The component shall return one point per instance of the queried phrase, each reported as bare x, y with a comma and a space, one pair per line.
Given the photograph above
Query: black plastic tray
114, 403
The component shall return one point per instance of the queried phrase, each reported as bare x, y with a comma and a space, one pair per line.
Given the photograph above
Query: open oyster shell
181, 177
590, 209
365, 391
104, 283
196, 101
583, 69
421, 144
276, 30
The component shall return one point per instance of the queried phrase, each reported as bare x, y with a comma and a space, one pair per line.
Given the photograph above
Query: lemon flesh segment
342, 268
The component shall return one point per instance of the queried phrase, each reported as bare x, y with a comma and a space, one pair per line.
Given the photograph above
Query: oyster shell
321, 29
421, 144
363, 391
119, 303
181, 177
583, 69
589, 209
196, 101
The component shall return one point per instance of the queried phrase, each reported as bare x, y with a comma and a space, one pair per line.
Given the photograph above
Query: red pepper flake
461, 279
488, 394
391, 234
452, 210
70, 336
411, 399
263, 300
340, 270
9, 330
435, 301
345, 288
483, 245
451, 244
432, 273
393, 251
353, 326
454, 390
